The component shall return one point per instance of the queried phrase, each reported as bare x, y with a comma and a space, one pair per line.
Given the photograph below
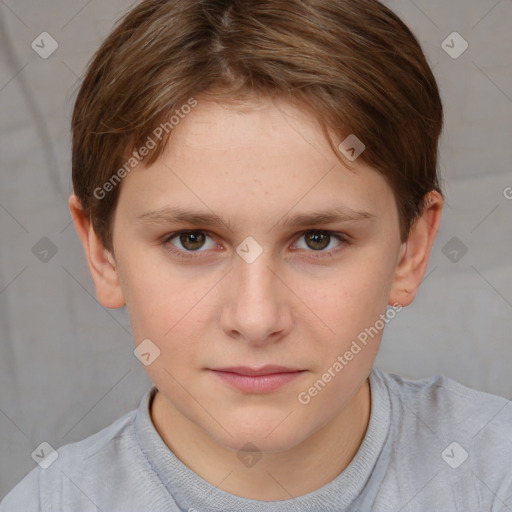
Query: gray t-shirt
432, 445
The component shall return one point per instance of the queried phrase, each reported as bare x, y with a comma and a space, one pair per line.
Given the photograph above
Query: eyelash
343, 239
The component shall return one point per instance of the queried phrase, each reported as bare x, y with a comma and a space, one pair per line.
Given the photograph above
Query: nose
257, 308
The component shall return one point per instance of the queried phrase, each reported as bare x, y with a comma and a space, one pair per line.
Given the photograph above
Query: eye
320, 241
190, 241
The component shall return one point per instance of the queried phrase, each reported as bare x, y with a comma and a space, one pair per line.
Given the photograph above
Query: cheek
165, 305
151, 297
347, 316
353, 299
351, 307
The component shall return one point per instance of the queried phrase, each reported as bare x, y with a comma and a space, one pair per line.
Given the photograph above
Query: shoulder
67, 467
461, 435
444, 402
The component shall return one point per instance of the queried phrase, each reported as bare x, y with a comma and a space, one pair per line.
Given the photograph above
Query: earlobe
101, 262
414, 254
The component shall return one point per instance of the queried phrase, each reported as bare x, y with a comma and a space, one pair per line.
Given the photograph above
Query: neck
276, 476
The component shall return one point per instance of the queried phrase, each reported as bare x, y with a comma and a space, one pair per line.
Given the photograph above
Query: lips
257, 380
254, 372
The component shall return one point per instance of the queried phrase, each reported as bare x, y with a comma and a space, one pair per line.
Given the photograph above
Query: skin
253, 166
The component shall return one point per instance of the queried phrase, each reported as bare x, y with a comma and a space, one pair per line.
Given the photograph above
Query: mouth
257, 380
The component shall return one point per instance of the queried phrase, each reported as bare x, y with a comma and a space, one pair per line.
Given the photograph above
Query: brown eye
192, 241
325, 243
189, 240
189, 244
317, 240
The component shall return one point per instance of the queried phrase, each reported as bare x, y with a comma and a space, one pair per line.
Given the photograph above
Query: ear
101, 262
415, 252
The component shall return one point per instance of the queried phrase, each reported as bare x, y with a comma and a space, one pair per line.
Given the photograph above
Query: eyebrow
176, 214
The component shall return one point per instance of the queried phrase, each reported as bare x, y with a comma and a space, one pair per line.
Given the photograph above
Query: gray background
66, 363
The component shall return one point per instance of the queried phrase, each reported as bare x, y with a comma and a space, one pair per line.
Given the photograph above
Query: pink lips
257, 380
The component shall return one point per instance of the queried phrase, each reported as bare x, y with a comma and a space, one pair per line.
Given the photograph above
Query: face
224, 267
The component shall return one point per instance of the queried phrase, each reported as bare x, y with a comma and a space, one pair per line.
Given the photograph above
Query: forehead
277, 116
267, 157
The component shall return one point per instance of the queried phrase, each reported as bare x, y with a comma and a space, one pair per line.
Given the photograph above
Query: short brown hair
352, 63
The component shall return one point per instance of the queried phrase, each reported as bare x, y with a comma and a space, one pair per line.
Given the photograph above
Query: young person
257, 182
